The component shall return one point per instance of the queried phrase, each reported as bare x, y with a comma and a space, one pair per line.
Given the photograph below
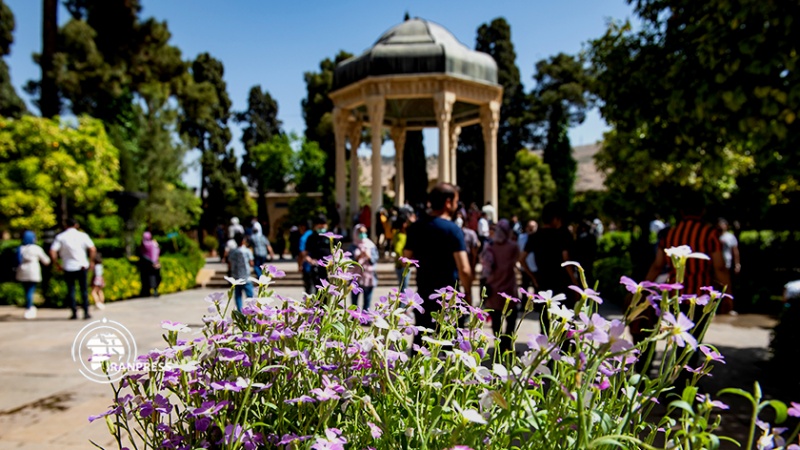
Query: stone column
376, 106
398, 133
455, 132
340, 118
443, 107
490, 121
354, 136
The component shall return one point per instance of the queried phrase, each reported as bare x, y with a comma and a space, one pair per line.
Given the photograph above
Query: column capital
376, 107
490, 115
443, 106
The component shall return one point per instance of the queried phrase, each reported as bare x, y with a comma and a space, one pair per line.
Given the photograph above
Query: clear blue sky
273, 43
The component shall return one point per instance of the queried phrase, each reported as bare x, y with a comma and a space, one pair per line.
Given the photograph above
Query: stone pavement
45, 402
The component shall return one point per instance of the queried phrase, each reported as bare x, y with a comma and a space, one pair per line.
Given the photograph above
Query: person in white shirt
488, 209
29, 271
483, 229
76, 250
234, 227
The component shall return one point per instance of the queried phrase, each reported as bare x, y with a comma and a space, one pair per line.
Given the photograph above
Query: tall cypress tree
10, 103
318, 114
261, 124
513, 133
560, 100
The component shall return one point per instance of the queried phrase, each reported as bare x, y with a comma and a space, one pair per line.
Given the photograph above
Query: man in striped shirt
701, 237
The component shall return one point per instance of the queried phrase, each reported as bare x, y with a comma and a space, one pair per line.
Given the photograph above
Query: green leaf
680, 404
739, 392
781, 411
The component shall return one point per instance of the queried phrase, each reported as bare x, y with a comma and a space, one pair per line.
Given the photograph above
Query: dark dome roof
417, 46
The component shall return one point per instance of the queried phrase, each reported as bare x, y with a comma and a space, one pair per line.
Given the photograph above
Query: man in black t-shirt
437, 243
317, 248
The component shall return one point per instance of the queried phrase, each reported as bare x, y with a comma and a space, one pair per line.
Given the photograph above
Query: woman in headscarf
499, 260
150, 267
365, 252
29, 270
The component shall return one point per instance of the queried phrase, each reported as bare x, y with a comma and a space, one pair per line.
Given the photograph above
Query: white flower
548, 298
189, 366
263, 280
684, 252
501, 371
562, 312
438, 342
175, 326
470, 415
235, 281
478, 371
381, 323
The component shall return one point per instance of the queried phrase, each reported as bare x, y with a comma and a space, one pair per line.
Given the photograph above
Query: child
98, 283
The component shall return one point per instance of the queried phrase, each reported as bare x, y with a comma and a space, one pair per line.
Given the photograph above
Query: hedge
181, 260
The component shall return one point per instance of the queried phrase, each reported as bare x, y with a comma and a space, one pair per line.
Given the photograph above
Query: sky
272, 44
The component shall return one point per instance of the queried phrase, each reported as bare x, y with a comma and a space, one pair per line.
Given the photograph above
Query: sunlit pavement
45, 401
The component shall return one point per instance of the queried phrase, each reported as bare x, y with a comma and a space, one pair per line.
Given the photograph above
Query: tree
513, 133
527, 187
273, 163
262, 125
204, 124
318, 114
309, 172
10, 103
49, 103
700, 86
51, 169
112, 65
415, 171
558, 101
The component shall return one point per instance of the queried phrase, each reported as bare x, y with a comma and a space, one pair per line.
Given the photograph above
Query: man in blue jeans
241, 260
76, 251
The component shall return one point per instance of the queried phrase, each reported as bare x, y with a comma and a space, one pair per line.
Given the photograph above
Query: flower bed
313, 373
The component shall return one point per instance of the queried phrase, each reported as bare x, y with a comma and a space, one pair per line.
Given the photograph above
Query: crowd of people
75, 257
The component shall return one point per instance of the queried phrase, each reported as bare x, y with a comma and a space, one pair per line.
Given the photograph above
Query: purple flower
274, 272
227, 354
333, 440
711, 354
662, 286
794, 410
588, 293
679, 330
616, 330
330, 235
159, 404
374, 430
630, 285
406, 262
210, 408
225, 385
301, 399
412, 300
509, 298
291, 437
116, 410
594, 328
706, 401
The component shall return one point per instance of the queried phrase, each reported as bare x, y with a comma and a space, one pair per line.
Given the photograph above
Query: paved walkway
45, 402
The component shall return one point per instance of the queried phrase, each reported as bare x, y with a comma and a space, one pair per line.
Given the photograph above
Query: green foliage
210, 243
204, 125
527, 188
416, 168
606, 272
318, 113
703, 94
273, 163
10, 103
45, 162
309, 168
614, 243
181, 260
302, 208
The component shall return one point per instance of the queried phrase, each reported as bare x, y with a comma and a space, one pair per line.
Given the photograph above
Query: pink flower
409, 262
794, 410
679, 330
711, 354
374, 430
588, 293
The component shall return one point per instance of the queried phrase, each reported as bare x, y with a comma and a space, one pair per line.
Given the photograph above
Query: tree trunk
49, 104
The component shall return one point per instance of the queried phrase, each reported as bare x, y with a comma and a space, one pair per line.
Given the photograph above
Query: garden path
45, 402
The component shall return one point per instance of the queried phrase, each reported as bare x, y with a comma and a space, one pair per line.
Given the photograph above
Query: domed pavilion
417, 75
